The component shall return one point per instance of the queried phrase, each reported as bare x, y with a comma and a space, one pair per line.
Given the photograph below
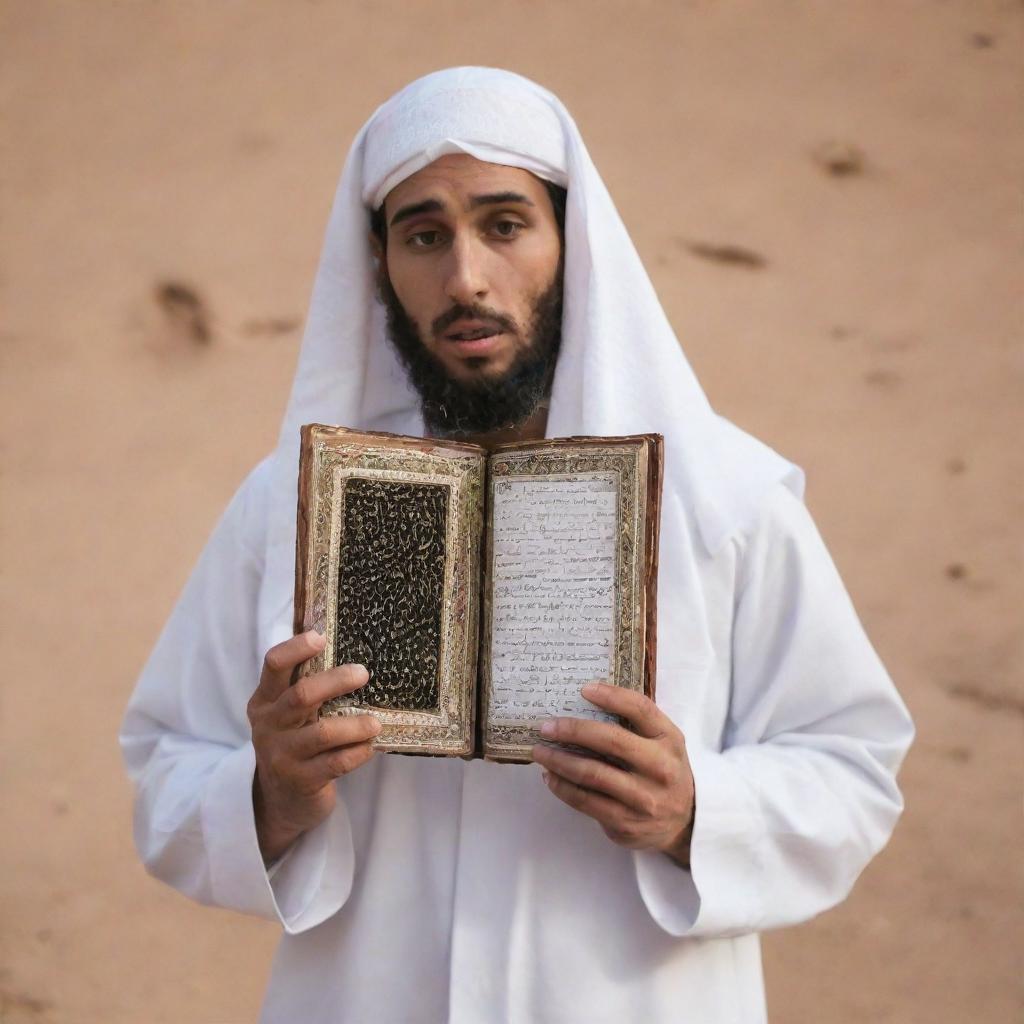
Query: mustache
474, 312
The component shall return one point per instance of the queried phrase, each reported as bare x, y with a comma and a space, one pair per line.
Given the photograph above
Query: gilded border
513, 742
449, 730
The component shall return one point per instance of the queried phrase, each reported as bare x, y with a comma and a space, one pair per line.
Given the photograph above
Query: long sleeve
802, 792
186, 743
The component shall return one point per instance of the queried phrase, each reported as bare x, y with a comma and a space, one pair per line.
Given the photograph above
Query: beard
453, 408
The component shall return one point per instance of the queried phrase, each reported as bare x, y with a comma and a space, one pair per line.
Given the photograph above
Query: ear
375, 247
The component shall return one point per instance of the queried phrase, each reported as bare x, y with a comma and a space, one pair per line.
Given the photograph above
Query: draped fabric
444, 891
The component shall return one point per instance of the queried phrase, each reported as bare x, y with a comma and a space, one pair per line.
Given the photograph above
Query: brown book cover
480, 589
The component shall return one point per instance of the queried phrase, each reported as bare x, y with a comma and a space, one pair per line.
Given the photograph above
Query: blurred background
828, 198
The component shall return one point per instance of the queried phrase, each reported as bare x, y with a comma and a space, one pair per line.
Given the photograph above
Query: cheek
412, 291
544, 265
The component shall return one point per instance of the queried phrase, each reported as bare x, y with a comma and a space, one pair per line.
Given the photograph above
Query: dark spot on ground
731, 255
184, 310
879, 378
255, 142
12, 1002
839, 159
959, 754
894, 344
271, 325
986, 699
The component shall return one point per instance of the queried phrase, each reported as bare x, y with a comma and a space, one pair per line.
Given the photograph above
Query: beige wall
878, 344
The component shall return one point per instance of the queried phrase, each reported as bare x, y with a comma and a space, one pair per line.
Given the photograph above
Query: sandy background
828, 198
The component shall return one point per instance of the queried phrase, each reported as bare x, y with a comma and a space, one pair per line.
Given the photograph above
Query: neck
532, 429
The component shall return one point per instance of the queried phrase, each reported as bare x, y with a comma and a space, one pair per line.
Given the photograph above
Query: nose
466, 281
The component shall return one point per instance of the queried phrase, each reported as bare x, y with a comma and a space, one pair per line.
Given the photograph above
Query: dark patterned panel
390, 589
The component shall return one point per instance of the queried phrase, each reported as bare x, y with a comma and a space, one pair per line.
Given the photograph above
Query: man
410, 889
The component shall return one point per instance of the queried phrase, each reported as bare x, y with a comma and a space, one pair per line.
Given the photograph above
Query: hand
298, 755
648, 802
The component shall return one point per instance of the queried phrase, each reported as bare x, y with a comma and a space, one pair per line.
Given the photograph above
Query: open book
480, 589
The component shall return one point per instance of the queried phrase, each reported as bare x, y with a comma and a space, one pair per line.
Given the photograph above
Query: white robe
444, 891
440, 890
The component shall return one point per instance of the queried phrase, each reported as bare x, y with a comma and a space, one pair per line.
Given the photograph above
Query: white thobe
445, 891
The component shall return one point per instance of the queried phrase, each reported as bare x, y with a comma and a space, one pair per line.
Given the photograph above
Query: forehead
459, 176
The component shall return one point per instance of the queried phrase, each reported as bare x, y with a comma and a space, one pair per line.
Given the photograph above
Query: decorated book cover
481, 589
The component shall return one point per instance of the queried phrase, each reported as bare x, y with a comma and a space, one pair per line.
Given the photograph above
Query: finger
641, 712
325, 768
603, 809
598, 777
604, 738
282, 660
300, 703
331, 732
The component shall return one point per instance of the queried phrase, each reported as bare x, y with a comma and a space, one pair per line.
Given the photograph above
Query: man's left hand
646, 802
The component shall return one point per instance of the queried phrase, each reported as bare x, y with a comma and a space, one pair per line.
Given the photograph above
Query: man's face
473, 254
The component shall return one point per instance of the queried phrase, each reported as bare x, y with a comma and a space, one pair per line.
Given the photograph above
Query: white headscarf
620, 368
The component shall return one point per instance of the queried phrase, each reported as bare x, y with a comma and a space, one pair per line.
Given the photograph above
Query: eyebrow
436, 206
500, 197
415, 209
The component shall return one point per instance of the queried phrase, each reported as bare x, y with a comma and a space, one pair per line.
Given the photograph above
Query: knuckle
591, 775
567, 729
274, 660
342, 762
369, 726
570, 795
614, 834
619, 743
628, 831
322, 733
562, 788
300, 695
648, 804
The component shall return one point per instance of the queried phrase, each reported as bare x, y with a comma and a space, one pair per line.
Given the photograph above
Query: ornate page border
512, 741
335, 460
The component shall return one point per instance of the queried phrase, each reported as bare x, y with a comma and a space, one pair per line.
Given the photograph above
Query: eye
507, 228
424, 239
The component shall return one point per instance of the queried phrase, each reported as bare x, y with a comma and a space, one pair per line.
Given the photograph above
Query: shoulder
781, 513
779, 539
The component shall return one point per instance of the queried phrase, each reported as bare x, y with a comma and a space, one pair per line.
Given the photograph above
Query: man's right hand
298, 754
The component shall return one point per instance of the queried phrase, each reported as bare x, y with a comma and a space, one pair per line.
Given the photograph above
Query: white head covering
620, 368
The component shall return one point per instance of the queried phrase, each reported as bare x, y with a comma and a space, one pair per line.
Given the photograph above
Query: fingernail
546, 776
590, 690
548, 729
314, 637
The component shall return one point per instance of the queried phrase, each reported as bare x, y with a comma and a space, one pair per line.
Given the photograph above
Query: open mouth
473, 335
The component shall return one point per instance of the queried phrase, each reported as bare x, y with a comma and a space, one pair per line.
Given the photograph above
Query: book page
553, 593
387, 568
389, 594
